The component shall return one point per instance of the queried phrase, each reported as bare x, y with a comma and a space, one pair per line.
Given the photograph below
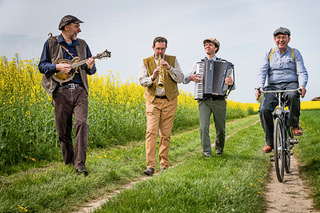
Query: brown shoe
297, 131
267, 149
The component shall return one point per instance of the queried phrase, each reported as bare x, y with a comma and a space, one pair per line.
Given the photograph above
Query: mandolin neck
81, 63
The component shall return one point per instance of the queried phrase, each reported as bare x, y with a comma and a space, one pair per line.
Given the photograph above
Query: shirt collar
206, 58
61, 39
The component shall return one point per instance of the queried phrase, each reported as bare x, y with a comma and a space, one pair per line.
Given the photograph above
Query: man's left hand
165, 64
90, 63
228, 80
303, 91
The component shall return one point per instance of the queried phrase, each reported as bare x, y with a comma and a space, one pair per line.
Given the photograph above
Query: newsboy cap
68, 19
213, 40
281, 30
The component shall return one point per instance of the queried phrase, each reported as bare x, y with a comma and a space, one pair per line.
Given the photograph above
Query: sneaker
149, 171
297, 131
267, 149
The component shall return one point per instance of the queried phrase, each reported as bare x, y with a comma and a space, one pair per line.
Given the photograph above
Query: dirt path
289, 196
96, 203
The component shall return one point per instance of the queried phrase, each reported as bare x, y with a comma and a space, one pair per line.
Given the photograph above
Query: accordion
213, 74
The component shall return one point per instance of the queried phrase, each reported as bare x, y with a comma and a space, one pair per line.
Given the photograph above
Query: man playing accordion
213, 103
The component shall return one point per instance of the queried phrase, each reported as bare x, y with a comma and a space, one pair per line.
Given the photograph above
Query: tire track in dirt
292, 195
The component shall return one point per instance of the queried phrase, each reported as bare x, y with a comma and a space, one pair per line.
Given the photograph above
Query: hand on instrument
63, 68
90, 62
195, 77
229, 80
155, 73
165, 64
303, 91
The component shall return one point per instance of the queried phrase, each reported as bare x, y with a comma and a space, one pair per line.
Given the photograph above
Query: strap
66, 50
293, 57
270, 56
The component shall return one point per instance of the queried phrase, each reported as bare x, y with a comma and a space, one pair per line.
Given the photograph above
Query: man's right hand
155, 73
195, 77
64, 68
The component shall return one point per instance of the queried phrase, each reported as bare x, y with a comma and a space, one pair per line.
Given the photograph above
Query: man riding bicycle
284, 69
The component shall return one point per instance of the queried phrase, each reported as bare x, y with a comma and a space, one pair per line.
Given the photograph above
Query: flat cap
282, 30
68, 19
213, 40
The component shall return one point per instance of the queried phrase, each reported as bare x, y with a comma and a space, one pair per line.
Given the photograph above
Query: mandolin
75, 64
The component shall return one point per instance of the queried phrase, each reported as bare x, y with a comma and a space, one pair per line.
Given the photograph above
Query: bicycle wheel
279, 152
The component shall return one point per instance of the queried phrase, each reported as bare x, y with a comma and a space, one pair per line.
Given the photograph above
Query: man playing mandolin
69, 93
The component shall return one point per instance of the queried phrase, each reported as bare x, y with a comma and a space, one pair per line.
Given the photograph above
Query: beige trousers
160, 116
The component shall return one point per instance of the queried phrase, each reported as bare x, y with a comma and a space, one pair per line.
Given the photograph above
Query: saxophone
160, 79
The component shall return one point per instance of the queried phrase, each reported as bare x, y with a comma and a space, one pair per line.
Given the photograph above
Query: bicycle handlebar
281, 91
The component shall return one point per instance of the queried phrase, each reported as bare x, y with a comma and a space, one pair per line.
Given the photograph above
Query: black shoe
149, 171
206, 156
163, 169
219, 153
80, 171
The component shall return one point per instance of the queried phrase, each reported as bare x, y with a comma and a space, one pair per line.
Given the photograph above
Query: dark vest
56, 54
170, 86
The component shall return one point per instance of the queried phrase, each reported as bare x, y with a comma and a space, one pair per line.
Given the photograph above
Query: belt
69, 86
161, 97
213, 97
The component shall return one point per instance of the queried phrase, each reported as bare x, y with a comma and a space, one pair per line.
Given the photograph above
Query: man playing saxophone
159, 74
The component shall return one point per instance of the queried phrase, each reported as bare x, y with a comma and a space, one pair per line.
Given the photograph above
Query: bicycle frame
283, 135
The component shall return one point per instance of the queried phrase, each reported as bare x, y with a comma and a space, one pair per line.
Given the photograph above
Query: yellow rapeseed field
116, 112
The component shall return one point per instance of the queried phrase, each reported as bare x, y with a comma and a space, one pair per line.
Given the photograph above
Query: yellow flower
34, 160
22, 208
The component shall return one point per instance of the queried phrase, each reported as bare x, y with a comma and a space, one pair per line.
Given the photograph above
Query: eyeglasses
160, 49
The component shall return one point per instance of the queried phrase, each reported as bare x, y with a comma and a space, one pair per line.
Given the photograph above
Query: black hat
281, 30
68, 19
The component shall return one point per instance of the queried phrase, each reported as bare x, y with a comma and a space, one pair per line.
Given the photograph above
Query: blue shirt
46, 67
283, 69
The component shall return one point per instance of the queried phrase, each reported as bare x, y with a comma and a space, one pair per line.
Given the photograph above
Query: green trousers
218, 108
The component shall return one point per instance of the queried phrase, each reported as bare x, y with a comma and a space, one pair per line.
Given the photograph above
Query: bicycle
283, 139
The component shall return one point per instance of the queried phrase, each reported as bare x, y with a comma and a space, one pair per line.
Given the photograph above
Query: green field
33, 177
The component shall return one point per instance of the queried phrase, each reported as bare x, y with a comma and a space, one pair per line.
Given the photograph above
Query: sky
127, 28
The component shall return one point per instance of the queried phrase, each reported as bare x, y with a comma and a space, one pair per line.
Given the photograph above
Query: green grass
233, 182
308, 151
58, 189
